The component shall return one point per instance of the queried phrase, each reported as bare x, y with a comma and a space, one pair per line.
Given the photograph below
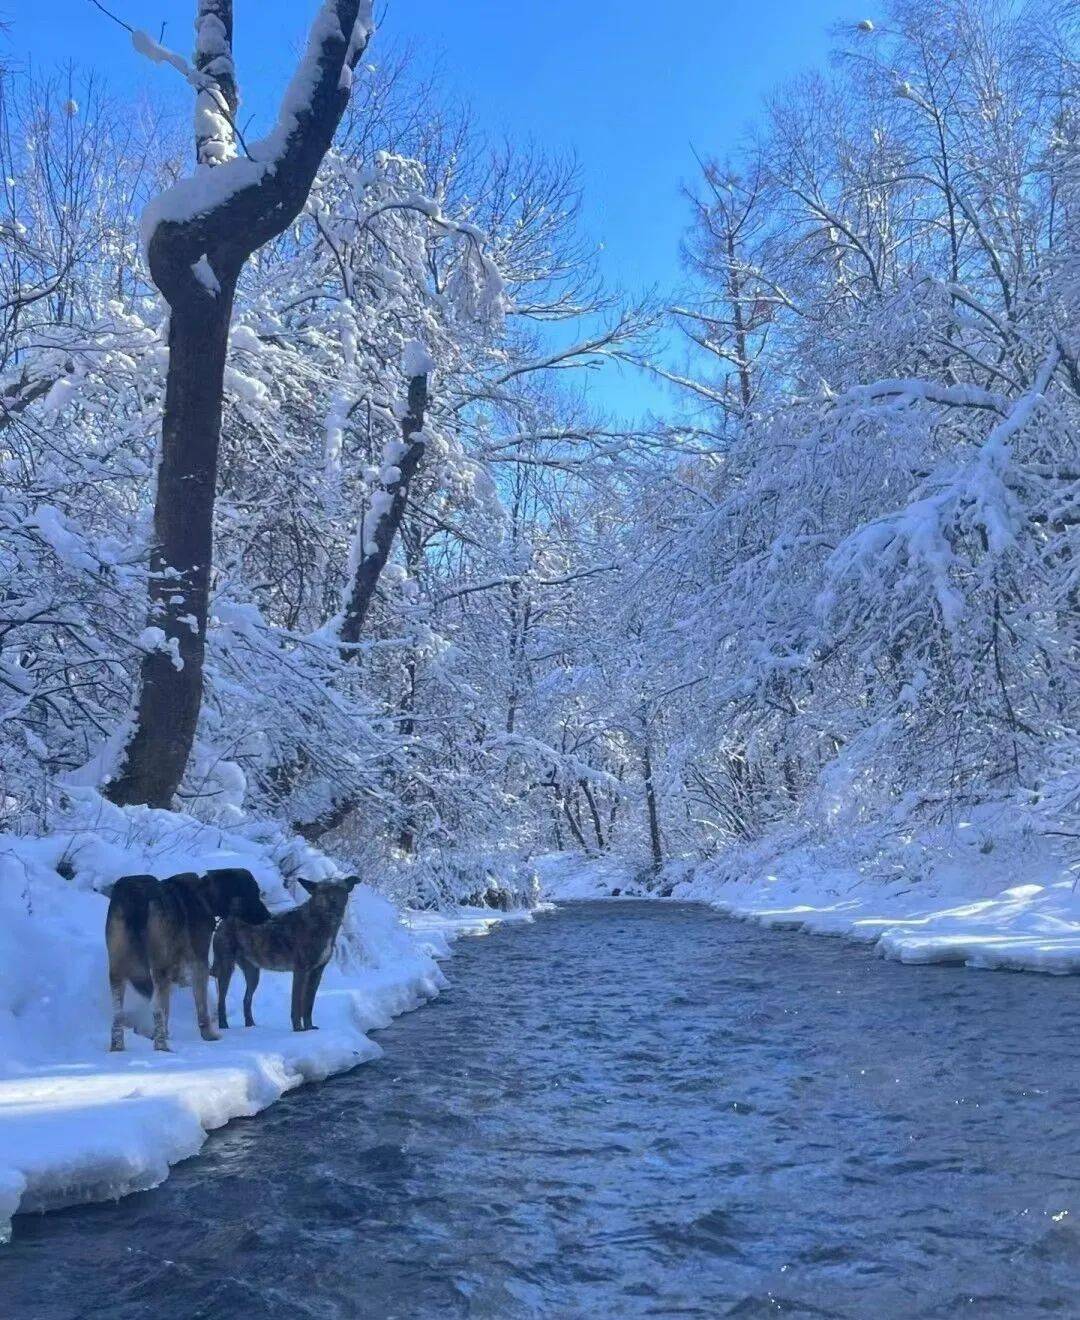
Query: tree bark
597, 827
575, 825
370, 565
171, 691
406, 729
650, 803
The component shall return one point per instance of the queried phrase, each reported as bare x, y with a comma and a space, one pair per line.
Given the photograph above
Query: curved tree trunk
171, 691
199, 239
375, 545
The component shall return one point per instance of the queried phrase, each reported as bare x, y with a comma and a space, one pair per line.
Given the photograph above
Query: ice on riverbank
978, 894
80, 1124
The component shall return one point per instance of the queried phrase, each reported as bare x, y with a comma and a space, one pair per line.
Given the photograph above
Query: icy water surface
630, 1109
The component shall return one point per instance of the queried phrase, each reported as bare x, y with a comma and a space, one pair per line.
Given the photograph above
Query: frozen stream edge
96, 1126
959, 914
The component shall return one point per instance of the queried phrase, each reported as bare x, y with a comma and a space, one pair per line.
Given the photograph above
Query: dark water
629, 1110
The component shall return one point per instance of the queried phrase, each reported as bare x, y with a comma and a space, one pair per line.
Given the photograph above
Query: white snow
145, 44
213, 185
570, 877
239, 385
63, 392
245, 337
82, 1124
55, 530
416, 360
154, 639
1022, 927
204, 273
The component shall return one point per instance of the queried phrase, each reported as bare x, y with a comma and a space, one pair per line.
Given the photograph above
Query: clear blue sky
626, 84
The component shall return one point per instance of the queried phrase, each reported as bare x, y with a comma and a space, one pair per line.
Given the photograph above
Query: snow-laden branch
230, 208
974, 495
924, 391
381, 519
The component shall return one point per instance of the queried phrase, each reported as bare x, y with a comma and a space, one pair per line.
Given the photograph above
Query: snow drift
987, 894
82, 1124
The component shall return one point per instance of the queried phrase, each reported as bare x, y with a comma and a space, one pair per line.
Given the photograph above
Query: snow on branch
242, 203
974, 495
924, 391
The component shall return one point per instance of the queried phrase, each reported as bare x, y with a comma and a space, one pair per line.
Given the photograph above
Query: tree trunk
406, 728
597, 827
650, 805
557, 828
196, 248
736, 295
171, 687
369, 566
574, 823
371, 562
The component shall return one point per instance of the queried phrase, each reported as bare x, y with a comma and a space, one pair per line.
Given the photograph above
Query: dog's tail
144, 986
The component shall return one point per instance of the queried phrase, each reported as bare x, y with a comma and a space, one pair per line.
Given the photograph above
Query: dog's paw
208, 1033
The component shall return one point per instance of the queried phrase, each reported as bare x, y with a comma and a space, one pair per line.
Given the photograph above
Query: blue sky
628, 85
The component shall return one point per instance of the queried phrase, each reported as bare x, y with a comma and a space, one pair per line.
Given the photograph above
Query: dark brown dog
158, 934
299, 941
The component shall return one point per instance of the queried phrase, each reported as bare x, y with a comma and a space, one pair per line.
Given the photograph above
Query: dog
298, 941
158, 933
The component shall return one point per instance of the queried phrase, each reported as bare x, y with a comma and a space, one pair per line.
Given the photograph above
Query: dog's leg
116, 988
160, 1003
299, 987
251, 980
314, 977
200, 977
223, 970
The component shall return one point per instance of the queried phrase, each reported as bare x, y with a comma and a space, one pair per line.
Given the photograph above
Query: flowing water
630, 1109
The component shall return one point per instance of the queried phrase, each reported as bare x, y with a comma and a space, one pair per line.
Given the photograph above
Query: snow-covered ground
81, 1124
979, 894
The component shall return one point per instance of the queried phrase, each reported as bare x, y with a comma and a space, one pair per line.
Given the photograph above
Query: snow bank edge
144, 1124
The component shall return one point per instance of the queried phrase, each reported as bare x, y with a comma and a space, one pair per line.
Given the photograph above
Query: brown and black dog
298, 941
158, 934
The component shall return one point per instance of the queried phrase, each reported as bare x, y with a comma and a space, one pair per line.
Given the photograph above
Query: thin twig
204, 83
109, 14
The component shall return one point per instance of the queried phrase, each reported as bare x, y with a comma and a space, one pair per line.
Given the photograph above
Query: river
630, 1109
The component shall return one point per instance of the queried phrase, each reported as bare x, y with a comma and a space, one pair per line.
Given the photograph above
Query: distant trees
873, 554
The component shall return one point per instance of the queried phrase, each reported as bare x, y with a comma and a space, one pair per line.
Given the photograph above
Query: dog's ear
351, 882
213, 894
309, 885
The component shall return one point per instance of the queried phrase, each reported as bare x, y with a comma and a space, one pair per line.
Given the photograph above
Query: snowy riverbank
80, 1124
977, 895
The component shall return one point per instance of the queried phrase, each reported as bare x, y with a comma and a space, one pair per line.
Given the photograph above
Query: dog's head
332, 894
233, 892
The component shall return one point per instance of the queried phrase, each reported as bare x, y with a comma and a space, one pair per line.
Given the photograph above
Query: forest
321, 552
833, 588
